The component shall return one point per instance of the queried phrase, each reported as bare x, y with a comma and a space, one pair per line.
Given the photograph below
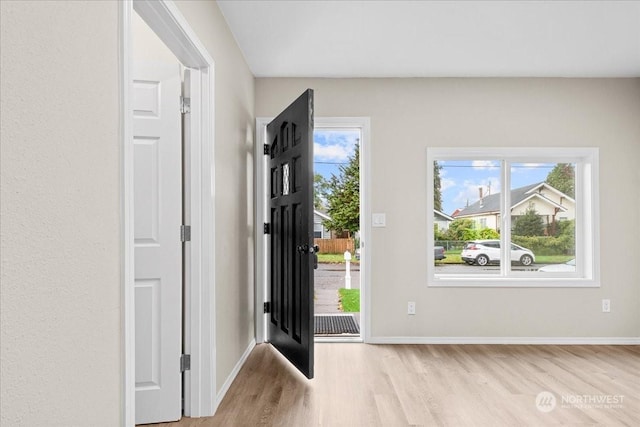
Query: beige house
552, 205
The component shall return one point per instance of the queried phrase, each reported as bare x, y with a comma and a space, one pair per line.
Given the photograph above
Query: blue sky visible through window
332, 148
461, 179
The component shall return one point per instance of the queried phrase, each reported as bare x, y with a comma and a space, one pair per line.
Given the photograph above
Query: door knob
307, 249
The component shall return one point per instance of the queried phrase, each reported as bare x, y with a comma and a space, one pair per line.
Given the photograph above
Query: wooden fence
334, 246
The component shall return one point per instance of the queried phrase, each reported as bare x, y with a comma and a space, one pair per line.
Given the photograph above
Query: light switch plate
378, 220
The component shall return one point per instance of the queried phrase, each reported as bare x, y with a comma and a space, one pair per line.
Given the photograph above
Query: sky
332, 148
460, 180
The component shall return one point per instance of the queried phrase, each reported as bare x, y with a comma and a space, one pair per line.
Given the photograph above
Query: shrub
543, 245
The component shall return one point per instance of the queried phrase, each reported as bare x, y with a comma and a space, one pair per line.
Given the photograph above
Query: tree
437, 187
529, 224
343, 197
562, 178
460, 229
465, 229
320, 192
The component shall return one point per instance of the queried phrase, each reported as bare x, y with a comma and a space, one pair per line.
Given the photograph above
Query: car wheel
482, 260
526, 260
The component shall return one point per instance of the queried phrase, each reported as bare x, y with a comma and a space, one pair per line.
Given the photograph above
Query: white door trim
261, 254
164, 18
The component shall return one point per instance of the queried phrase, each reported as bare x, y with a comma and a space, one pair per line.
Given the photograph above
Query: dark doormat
336, 325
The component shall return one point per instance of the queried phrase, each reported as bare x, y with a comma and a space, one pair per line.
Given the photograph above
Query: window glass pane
467, 216
543, 199
543, 211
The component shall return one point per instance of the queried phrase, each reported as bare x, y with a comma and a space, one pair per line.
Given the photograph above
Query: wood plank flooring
435, 385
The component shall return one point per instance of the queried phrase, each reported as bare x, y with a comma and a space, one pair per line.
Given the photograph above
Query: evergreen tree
437, 187
562, 178
529, 224
343, 197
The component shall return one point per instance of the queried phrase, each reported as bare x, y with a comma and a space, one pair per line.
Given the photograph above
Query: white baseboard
234, 373
508, 340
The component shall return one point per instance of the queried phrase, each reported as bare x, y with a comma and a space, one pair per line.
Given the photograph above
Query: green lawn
335, 258
553, 259
349, 300
452, 257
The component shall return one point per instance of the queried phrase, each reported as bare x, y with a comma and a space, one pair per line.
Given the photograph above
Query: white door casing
201, 395
157, 144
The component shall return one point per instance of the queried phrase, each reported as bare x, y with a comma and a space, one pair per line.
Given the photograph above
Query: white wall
409, 115
60, 191
233, 179
147, 46
234, 130
60, 205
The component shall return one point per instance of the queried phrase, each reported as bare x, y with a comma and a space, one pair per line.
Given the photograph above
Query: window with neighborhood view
502, 217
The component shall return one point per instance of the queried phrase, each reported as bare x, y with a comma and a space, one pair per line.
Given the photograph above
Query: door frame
261, 240
164, 18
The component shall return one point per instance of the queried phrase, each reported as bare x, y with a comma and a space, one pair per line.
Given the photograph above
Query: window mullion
505, 213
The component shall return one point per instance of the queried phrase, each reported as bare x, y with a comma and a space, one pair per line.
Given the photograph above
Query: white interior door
158, 248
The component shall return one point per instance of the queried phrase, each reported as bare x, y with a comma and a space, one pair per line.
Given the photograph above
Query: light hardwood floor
448, 385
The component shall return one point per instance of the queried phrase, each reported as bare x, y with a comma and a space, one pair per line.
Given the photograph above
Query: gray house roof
491, 203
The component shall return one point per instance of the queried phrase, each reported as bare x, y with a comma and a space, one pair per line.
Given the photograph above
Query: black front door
290, 146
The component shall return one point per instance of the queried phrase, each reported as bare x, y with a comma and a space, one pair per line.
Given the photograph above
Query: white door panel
158, 249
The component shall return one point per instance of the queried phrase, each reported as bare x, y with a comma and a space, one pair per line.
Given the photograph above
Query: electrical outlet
606, 306
411, 307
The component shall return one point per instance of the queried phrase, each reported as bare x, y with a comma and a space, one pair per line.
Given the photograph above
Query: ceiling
437, 38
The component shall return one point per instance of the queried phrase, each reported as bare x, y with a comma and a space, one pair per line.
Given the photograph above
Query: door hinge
185, 233
266, 149
185, 362
267, 307
267, 228
185, 105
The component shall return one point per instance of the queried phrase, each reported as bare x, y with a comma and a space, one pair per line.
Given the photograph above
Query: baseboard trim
508, 340
234, 373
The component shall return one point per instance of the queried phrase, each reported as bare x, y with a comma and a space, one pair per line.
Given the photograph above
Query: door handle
307, 249
313, 249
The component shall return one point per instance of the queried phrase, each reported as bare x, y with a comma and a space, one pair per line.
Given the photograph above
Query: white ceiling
437, 38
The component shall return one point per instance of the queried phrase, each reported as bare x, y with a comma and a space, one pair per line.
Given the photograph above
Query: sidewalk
328, 279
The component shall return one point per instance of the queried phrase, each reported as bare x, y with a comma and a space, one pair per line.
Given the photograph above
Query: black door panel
290, 139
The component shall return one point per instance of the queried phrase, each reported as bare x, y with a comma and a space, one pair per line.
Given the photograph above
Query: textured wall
409, 115
60, 232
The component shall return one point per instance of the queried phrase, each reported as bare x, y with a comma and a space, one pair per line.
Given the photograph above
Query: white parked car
484, 252
567, 267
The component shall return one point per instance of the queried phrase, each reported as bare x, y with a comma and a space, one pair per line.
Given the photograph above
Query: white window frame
587, 272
